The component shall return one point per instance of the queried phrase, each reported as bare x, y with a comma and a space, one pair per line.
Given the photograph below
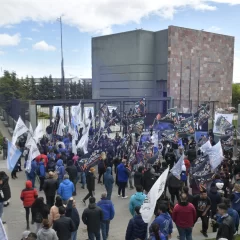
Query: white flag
33, 153
206, 147
177, 168
83, 143
149, 204
3, 235
215, 155
30, 134
38, 133
19, 130
60, 128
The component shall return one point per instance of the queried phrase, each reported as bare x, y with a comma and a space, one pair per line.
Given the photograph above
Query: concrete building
188, 65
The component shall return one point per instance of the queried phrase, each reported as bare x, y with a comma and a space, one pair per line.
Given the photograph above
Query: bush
43, 115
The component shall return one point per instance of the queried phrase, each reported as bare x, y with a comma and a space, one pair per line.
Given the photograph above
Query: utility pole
62, 63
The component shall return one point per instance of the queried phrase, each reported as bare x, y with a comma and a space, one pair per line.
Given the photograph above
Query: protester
32, 174
226, 227
40, 211
41, 171
174, 185
64, 226
46, 232
149, 179
184, 216
72, 212
60, 170
73, 174
108, 182
122, 175
235, 198
164, 221
5, 148
50, 187
136, 199
90, 184
170, 158
1, 197
28, 196
137, 228
185, 189
108, 214
27, 235
66, 189
101, 166
202, 204
138, 177
92, 217
54, 211
156, 234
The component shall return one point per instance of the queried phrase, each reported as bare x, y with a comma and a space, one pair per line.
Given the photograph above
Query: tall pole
62, 64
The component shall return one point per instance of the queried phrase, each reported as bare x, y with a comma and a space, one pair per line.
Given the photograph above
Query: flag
206, 147
90, 115
56, 122
20, 129
177, 168
199, 163
30, 133
60, 127
3, 235
13, 155
83, 143
33, 153
149, 204
38, 133
186, 126
215, 155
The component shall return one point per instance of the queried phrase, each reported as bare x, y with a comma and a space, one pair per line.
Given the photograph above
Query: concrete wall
200, 67
123, 65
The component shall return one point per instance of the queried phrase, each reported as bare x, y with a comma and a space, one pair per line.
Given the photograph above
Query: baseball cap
25, 234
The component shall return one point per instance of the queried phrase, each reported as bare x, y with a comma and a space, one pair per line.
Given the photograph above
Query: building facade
188, 65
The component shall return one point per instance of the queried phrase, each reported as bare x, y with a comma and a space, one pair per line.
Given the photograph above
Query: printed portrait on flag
222, 122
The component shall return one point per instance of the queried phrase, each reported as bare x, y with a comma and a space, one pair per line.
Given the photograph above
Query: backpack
38, 217
183, 176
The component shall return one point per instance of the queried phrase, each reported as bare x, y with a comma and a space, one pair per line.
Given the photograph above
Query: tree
235, 95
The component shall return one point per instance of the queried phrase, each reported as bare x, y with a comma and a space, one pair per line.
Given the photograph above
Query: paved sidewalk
14, 214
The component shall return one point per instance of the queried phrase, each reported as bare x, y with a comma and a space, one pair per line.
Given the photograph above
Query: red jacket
184, 215
39, 157
188, 165
28, 195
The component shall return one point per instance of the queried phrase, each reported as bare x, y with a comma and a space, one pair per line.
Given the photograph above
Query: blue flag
13, 155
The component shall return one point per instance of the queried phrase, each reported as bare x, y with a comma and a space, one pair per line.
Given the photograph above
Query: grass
43, 115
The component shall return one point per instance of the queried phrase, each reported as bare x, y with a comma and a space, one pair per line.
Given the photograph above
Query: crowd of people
60, 172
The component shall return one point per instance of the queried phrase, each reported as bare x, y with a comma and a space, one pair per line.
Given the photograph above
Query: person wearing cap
90, 184
108, 214
226, 227
50, 187
122, 176
66, 189
202, 204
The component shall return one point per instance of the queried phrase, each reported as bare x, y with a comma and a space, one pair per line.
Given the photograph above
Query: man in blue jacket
66, 189
32, 175
41, 171
108, 214
108, 182
60, 170
122, 176
164, 221
136, 200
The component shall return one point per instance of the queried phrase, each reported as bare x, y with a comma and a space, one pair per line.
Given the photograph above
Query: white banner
19, 130
83, 143
60, 128
33, 153
149, 204
55, 109
215, 155
206, 147
221, 122
39, 132
177, 168
76, 112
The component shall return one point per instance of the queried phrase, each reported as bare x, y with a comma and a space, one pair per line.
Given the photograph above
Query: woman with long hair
155, 233
40, 212
46, 232
54, 213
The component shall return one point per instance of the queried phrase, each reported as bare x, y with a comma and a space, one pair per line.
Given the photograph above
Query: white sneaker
125, 197
119, 195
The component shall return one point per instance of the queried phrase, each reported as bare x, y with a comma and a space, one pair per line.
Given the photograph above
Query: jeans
50, 200
42, 179
121, 188
90, 194
92, 235
109, 193
205, 221
105, 229
185, 233
1, 209
32, 179
74, 235
83, 178
131, 179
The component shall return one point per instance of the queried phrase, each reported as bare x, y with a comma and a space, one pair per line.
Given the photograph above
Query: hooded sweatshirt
108, 179
66, 189
214, 197
164, 221
28, 195
47, 234
136, 200
60, 169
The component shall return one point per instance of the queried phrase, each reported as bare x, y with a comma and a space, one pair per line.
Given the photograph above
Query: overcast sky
30, 35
